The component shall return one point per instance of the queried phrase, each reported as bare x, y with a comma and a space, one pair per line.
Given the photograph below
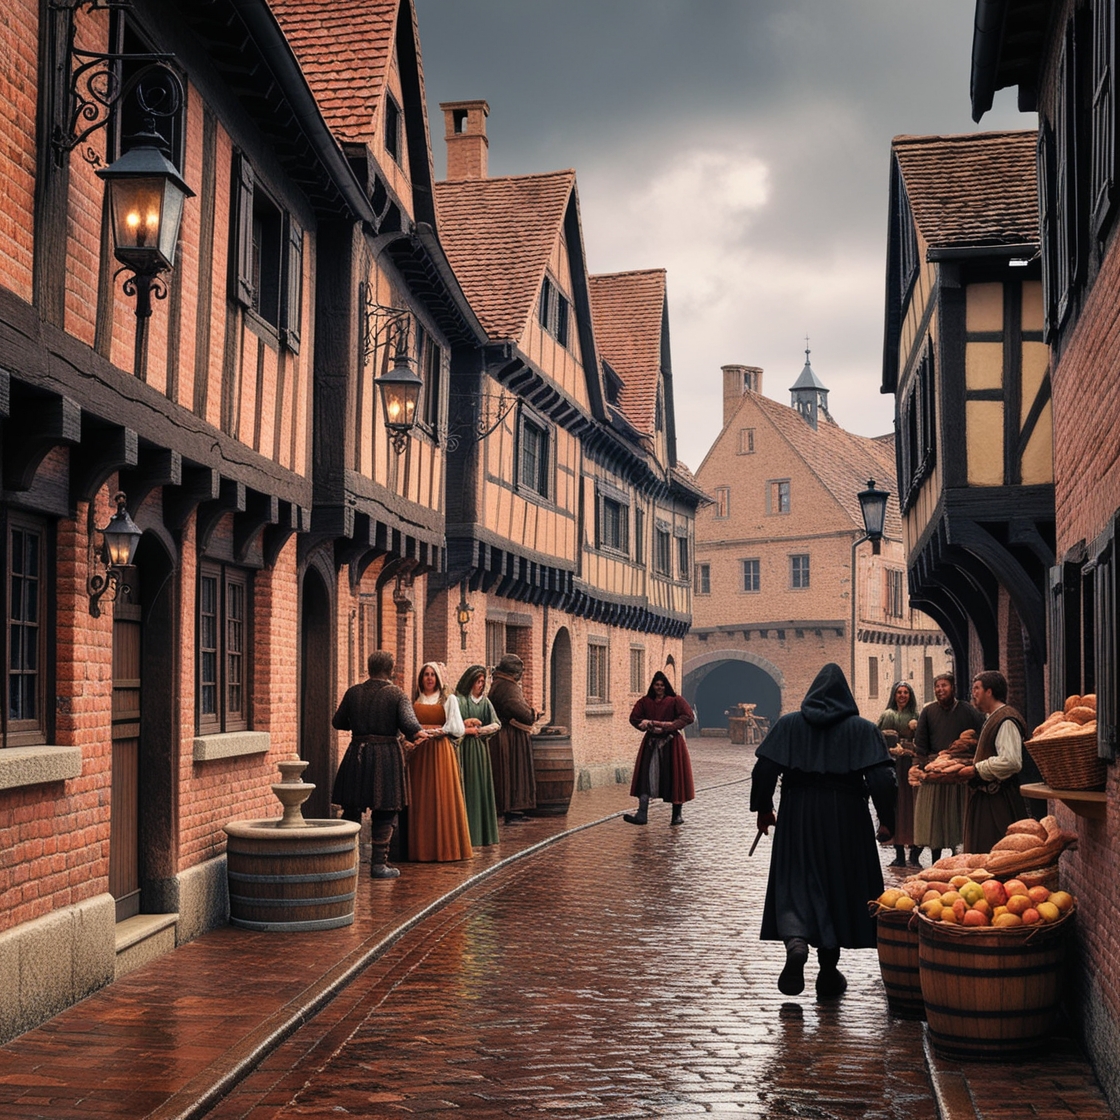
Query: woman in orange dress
438, 829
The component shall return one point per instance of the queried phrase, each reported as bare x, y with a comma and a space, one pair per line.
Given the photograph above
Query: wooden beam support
38, 425
104, 450
156, 467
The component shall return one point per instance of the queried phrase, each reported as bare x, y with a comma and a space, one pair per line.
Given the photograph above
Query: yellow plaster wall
984, 424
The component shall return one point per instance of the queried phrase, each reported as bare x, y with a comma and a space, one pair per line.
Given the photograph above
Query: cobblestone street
617, 974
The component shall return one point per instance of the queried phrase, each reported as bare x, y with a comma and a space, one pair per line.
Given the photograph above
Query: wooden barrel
292, 879
555, 771
897, 939
991, 994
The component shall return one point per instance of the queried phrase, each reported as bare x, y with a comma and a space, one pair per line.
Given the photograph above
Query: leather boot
791, 982
915, 857
831, 983
899, 857
379, 861
641, 816
676, 818
378, 867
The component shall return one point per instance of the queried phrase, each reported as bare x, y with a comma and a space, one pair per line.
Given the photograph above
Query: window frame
722, 509
755, 570
746, 436
38, 729
540, 486
799, 571
429, 361
554, 311
894, 599
684, 557
703, 578
284, 259
663, 551
598, 671
779, 497
393, 134
226, 716
613, 523
637, 670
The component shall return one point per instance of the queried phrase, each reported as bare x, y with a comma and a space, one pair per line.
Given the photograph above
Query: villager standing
480, 722
511, 749
437, 822
899, 722
373, 774
994, 800
663, 767
939, 806
825, 863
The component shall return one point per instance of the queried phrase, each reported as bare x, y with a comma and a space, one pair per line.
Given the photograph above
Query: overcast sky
741, 144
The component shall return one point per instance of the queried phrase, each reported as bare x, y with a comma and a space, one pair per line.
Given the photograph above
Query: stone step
142, 938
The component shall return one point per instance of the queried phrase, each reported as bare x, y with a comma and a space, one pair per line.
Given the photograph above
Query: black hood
828, 735
829, 699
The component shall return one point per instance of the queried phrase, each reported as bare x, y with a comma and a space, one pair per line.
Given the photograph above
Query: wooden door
124, 845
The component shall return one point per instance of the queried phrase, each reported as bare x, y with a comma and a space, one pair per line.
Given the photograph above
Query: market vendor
994, 801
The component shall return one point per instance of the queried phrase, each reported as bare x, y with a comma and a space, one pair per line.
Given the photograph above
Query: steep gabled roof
963, 196
976, 189
628, 314
344, 49
843, 461
498, 234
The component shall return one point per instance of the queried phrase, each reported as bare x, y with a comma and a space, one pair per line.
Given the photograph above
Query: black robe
825, 863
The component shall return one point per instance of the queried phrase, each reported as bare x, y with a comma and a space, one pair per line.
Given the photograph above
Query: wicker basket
1069, 761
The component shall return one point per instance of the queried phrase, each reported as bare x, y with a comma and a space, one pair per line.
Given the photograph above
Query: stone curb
951, 1093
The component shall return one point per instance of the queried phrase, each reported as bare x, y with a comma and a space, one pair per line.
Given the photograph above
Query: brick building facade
777, 555
1063, 59
284, 534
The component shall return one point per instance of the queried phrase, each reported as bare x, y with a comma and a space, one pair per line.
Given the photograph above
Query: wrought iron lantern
463, 614
119, 540
873, 505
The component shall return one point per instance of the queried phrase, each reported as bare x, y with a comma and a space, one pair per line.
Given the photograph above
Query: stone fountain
292, 874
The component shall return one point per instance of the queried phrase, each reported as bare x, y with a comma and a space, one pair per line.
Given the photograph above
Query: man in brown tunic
994, 800
511, 750
373, 774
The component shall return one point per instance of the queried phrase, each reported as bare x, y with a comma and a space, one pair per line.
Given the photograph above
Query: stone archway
714, 682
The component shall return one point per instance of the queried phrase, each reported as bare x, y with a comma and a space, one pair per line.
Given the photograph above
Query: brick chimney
738, 380
468, 148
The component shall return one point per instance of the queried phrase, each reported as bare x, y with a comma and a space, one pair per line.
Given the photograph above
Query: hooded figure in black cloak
825, 865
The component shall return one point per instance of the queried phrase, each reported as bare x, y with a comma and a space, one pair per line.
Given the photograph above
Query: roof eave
1015, 249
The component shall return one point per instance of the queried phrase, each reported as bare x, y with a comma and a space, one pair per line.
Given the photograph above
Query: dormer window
554, 311
392, 128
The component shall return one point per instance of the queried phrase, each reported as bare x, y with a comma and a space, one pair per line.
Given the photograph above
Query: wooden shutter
1057, 639
1103, 118
1102, 569
244, 181
1047, 241
1063, 215
291, 304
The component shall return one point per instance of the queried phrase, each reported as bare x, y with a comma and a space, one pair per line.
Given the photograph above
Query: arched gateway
715, 682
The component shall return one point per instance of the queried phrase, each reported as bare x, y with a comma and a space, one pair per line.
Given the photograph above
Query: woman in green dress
481, 722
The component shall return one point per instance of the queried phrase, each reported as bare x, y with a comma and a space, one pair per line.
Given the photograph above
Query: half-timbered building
1063, 59
569, 522
146, 705
965, 359
786, 580
385, 293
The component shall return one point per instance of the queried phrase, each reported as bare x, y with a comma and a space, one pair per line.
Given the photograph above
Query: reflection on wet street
615, 974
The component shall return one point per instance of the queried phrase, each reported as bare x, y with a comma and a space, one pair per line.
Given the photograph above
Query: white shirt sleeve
453, 725
1008, 759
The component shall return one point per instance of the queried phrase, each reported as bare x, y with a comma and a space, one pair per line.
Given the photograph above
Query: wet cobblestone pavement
619, 974
583, 968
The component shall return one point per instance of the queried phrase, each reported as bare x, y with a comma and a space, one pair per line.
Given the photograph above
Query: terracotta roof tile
344, 48
842, 460
974, 189
626, 314
498, 235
